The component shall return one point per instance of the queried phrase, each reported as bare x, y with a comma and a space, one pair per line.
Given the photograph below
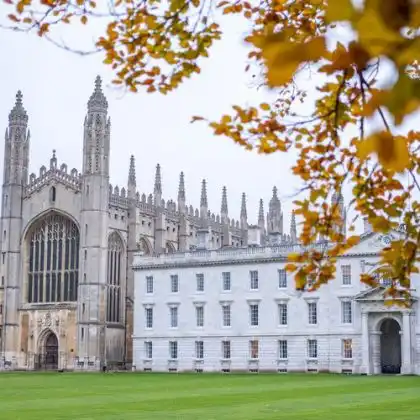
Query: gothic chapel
67, 245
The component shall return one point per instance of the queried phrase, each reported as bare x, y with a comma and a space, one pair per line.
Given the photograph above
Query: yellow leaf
374, 35
395, 13
294, 257
283, 57
265, 107
404, 98
83, 19
338, 10
392, 150
290, 267
353, 240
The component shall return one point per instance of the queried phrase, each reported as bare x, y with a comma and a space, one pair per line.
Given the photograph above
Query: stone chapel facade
67, 245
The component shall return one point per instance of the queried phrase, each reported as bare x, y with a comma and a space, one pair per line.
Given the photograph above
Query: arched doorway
390, 346
50, 351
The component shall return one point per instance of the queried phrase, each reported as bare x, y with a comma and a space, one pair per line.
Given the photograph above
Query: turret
203, 200
131, 249
224, 208
96, 296
15, 177
157, 190
181, 194
17, 139
293, 231
244, 221
225, 219
275, 219
131, 184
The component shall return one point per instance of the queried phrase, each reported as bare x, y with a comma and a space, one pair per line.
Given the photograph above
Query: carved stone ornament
47, 319
382, 240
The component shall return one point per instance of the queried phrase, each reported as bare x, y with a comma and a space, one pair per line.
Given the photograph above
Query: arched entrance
49, 352
390, 346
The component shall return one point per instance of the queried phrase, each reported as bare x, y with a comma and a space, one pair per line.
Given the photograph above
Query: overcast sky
56, 86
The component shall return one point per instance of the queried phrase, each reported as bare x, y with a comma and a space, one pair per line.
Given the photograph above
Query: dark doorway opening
390, 347
48, 359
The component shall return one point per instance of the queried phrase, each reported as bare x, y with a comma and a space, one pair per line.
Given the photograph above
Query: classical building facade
238, 310
67, 242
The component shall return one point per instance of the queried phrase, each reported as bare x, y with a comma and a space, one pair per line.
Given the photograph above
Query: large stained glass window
115, 261
53, 260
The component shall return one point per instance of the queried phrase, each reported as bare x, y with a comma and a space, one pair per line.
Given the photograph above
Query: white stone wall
329, 330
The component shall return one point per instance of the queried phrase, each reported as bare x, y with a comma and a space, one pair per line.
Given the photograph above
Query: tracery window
53, 261
115, 259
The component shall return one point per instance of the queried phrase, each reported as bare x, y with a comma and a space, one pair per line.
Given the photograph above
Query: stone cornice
229, 260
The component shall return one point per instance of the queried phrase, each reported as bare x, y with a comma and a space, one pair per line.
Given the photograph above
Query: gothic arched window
53, 260
115, 260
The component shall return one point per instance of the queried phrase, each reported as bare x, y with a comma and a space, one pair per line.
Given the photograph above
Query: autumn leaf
338, 10
404, 97
374, 34
392, 151
283, 57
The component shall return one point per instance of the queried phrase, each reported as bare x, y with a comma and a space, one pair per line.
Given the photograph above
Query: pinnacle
203, 199
98, 84
19, 97
18, 113
224, 208
158, 180
97, 101
132, 171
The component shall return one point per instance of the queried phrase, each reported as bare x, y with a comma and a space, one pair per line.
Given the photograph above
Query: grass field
52, 396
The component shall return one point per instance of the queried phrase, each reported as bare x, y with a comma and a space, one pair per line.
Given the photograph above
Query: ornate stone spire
157, 190
261, 220
243, 206
224, 208
243, 216
181, 194
181, 188
203, 198
158, 180
274, 202
18, 115
97, 101
132, 171
293, 231
275, 215
16, 145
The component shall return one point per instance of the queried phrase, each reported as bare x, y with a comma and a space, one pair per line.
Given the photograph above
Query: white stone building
67, 242
238, 310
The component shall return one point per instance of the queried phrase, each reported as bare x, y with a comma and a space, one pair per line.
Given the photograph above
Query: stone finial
132, 171
97, 101
18, 113
203, 198
181, 188
53, 160
158, 181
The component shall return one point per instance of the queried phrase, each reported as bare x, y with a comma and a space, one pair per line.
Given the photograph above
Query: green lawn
207, 396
